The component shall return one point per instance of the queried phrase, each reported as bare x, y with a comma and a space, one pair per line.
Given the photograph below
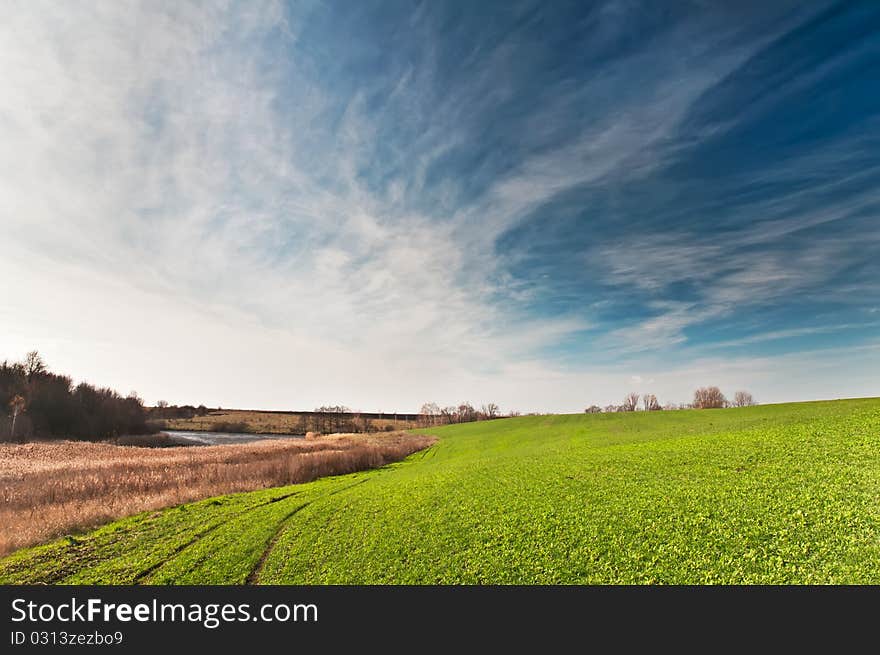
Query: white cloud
172, 222
725, 276
160, 210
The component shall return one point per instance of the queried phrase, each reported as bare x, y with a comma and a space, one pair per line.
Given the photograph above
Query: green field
770, 494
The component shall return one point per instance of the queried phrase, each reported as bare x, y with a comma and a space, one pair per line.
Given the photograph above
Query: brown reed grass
55, 488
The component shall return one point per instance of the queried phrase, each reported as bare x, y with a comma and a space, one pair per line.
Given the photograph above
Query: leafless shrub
743, 399
489, 411
650, 403
630, 402
709, 398
431, 414
233, 427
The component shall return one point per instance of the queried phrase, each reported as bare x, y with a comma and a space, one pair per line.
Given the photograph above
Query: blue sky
380, 204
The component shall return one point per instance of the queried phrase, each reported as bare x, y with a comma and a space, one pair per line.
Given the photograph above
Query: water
221, 438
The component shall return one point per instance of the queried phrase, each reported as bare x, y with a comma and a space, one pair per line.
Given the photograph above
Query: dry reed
55, 488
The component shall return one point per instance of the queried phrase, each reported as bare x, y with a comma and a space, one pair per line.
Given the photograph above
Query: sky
379, 204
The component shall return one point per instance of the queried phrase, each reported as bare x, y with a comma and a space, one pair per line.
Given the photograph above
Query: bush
229, 426
709, 398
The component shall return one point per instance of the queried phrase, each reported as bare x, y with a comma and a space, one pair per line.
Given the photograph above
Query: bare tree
743, 399
630, 403
17, 404
709, 398
161, 408
449, 415
489, 411
650, 404
333, 409
466, 413
33, 364
610, 409
593, 409
331, 418
430, 413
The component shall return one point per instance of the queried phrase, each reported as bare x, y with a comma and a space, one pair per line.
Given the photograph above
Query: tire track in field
254, 576
201, 535
429, 452
140, 577
91, 552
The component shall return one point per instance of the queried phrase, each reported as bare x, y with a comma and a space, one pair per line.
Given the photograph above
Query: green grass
772, 494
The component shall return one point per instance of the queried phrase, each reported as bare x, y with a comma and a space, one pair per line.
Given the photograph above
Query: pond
222, 438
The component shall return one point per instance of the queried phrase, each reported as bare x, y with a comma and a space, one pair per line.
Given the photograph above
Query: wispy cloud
793, 334
272, 187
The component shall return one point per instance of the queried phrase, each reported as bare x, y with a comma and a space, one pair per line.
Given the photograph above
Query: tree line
339, 418
433, 414
163, 410
704, 398
324, 420
35, 402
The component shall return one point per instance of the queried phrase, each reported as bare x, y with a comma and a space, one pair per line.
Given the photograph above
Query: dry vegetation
50, 489
266, 422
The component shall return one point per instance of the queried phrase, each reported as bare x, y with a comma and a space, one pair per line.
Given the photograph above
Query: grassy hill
770, 494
